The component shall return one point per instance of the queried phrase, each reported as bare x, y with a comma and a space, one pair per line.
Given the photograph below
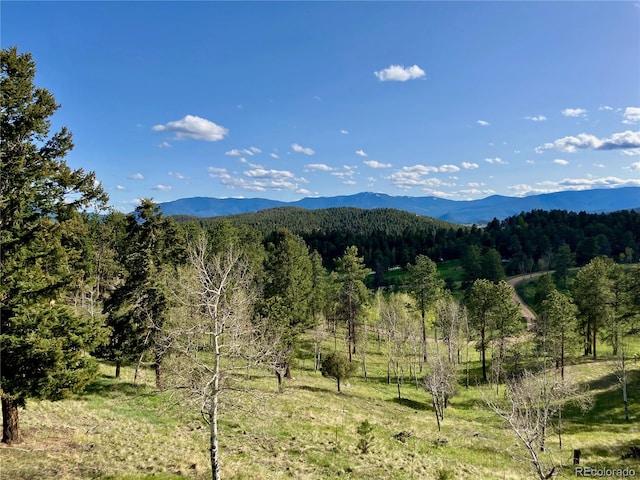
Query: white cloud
483, 123
449, 168
263, 173
349, 182
624, 140
574, 112
347, 172
238, 153
136, 176
301, 149
215, 172
413, 176
164, 145
559, 161
376, 164
603, 182
469, 165
606, 107
120, 187
317, 166
635, 166
260, 180
631, 115
537, 118
194, 128
632, 152
344, 132
496, 160
177, 175
162, 188
361, 153
598, 165
399, 73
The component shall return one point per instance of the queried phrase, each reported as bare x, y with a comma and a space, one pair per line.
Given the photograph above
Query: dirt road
526, 311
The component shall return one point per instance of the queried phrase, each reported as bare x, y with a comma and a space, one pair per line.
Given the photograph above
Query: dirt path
526, 311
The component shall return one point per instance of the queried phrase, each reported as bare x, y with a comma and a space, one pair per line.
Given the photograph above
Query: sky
285, 100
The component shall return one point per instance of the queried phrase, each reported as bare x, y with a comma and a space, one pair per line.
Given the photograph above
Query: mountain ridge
455, 211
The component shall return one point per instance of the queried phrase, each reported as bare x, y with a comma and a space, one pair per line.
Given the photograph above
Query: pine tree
43, 345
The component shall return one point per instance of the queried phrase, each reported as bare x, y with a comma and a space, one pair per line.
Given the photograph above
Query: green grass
118, 430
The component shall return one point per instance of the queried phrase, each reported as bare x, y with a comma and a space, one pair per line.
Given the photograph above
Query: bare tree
440, 381
213, 332
530, 405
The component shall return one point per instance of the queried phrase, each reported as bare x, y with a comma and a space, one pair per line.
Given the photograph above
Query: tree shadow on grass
607, 412
309, 388
108, 386
413, 404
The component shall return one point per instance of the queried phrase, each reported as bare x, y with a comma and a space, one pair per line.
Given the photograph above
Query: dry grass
122, 431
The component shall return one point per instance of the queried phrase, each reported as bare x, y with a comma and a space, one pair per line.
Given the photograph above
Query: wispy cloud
399, 73
376, 164
483, 123
606, 108
264, 173
194, 128
120, 187
344, 132
449, 168
136, 176
162, 188
164, 145
241, 152
496, 160
317, 166
361, 152
301, 149
536, 118
560, 161
347, 171
631, 115
177, 175
574, 112
469, 165
624, 140
634, 166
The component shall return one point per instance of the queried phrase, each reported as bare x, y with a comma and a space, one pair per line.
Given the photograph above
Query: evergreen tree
425, 286
353, 293
288, 294
42, 344
491, 266
138, 308
593, 294
563, 262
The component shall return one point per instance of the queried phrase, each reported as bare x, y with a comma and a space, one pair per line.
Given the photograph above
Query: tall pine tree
43, 345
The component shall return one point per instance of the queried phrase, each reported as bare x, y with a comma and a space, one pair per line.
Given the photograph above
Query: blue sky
292, 99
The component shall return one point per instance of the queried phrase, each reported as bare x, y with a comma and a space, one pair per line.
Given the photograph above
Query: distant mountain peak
462, 211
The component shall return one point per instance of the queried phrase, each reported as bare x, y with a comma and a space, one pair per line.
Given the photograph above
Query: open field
118, 430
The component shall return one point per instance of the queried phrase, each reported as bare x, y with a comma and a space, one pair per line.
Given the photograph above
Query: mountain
454, 211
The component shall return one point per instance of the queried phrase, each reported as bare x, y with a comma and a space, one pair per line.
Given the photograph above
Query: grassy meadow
118, 430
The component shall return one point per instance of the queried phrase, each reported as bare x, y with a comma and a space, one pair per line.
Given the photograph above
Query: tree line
530, 241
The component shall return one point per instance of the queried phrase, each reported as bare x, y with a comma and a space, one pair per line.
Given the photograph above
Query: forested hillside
388, 238
340, 219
